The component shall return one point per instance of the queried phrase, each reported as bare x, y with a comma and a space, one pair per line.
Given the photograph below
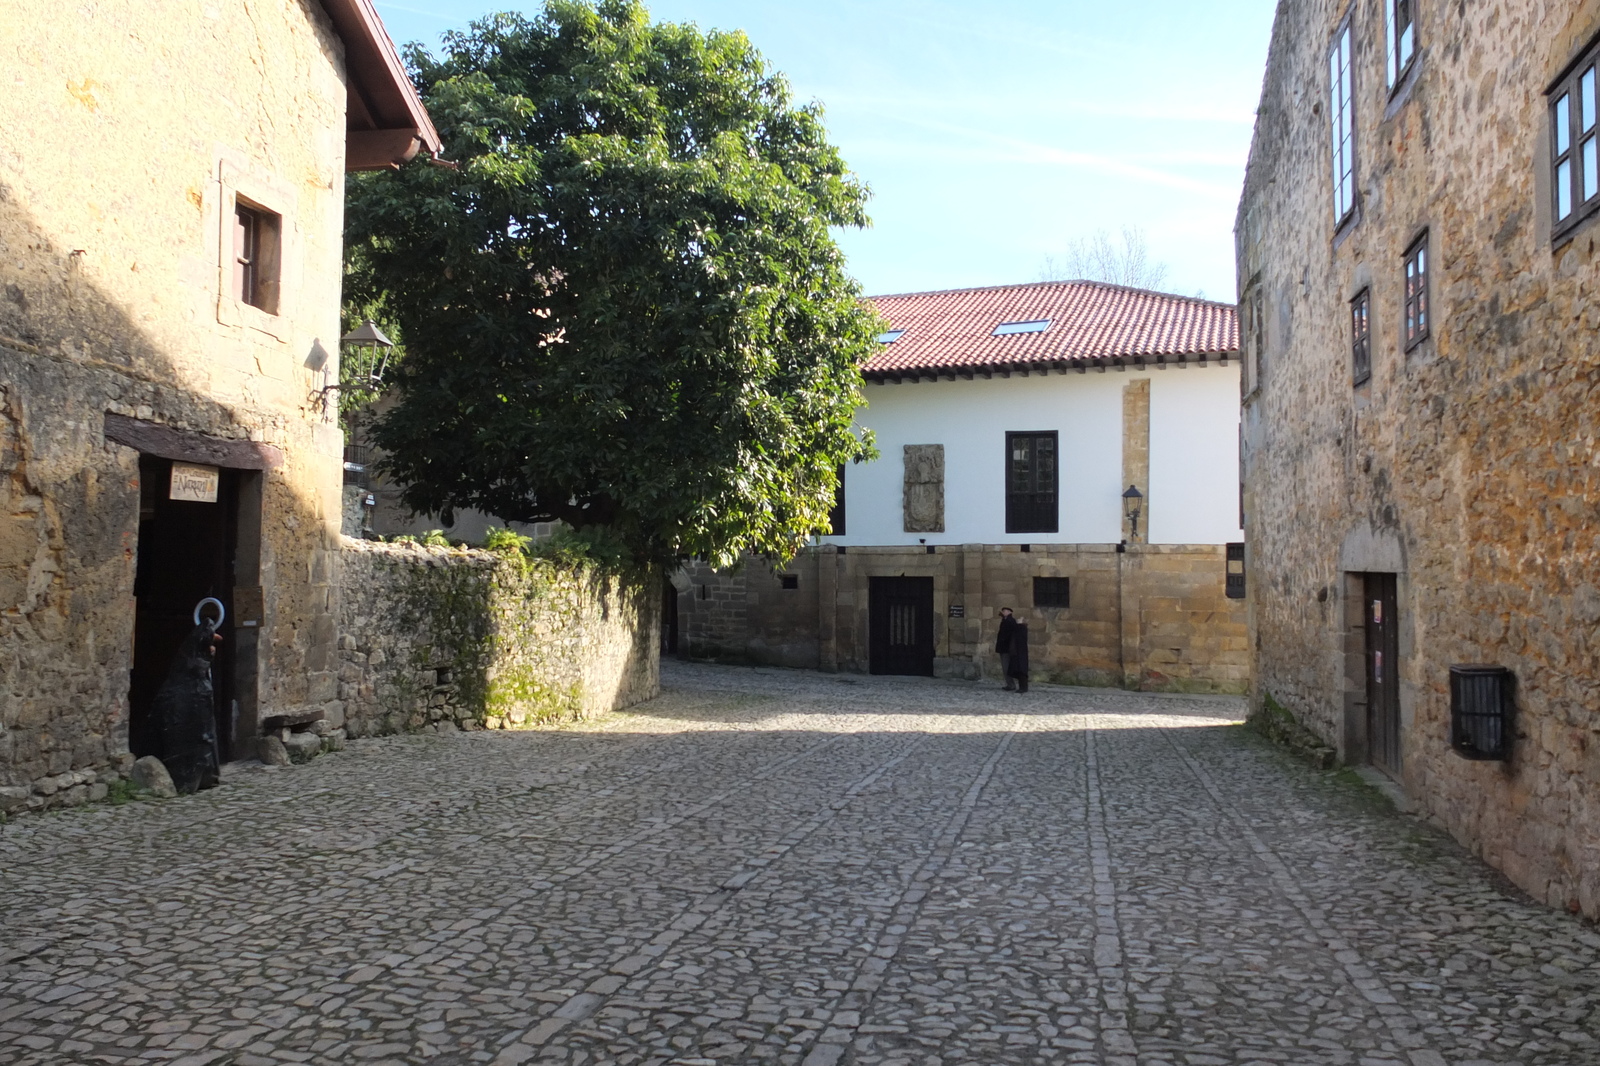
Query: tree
1098, 258
623, 307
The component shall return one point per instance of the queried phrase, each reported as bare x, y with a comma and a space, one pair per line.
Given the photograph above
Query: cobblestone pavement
774, 867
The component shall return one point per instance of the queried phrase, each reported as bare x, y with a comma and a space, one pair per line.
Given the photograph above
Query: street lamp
1131, 503
361, 382
368, 359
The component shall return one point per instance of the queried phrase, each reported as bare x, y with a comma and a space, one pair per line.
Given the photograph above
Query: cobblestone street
769, 866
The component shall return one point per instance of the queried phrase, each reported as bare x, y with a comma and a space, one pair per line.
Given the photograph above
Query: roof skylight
1035, 326
891, 336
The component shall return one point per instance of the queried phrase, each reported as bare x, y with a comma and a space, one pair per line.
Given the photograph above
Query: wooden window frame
257, 255
1361, 338
1574, 109
1341, 116
1052, 592
1024, 509
1397, 41
1418, 318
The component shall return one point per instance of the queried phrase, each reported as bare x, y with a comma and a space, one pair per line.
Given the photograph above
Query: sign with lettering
193, 483
958, 610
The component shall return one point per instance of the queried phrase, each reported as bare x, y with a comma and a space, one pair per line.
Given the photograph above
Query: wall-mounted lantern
1132, 505
367, 359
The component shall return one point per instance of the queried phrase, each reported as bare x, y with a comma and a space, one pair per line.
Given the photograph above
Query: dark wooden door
669, 618
186, 553
901, 611
1383, 673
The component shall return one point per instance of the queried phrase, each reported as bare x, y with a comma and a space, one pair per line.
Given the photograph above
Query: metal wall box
1481, 709
1235, 572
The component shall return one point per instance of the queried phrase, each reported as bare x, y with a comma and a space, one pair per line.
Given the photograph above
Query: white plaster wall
1194, 456
971, 419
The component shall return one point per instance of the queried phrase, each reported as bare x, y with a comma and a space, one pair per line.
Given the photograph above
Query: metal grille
1031, 480
1052, 592
1481, 711
357, 463
902, 625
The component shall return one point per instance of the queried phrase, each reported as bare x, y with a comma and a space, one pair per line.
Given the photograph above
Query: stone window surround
1253, 339
239, 180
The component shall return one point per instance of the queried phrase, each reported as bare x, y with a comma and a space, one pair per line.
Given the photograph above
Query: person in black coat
1002, 645
1018, 662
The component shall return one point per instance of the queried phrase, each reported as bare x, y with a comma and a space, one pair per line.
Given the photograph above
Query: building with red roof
1066, 449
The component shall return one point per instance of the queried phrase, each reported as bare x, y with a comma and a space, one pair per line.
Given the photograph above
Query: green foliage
508, 541
121, 791
624, 310
594, 547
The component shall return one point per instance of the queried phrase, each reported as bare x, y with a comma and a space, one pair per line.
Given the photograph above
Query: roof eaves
393, 125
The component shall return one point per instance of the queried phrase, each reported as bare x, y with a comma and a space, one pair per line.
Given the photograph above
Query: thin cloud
1153, 111
1016, 150
422, 12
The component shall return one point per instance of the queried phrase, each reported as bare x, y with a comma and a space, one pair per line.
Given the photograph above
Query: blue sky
994, 134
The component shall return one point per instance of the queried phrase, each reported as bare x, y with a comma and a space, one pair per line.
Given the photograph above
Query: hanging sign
193, 483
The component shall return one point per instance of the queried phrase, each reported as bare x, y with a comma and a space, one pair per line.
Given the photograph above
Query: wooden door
901, 610
1383, 673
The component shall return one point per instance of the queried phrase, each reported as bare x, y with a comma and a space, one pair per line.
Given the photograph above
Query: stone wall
1469, 465
130, 128
436, 638
1152, 617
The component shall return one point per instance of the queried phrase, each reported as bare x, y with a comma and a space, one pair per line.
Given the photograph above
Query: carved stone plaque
924, 494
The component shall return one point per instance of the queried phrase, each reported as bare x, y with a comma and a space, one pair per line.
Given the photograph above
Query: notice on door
194, 484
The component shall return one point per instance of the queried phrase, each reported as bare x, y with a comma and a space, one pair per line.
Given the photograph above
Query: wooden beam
169, 442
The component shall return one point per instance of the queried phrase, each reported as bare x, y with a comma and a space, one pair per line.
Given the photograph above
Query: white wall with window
1194, 434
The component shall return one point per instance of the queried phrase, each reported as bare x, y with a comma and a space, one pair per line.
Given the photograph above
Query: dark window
1236, 571
789, 581
1052, 592
1417, 320
255, 257
1361, 337
1575, 143
1031, 483
836, 516
1342, 113
1400, 18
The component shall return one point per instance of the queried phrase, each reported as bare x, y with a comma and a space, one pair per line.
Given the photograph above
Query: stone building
1418, 281
1012, 423
171, 207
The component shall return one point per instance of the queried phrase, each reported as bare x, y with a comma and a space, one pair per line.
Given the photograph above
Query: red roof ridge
952, 332
1043, 284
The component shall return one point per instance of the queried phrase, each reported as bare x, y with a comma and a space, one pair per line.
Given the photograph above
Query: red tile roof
1091, 323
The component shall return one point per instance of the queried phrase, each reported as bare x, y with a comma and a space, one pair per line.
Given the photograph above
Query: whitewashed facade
1192, 493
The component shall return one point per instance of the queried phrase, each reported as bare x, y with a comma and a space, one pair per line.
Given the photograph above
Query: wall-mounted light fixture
361, 368
1132, 504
